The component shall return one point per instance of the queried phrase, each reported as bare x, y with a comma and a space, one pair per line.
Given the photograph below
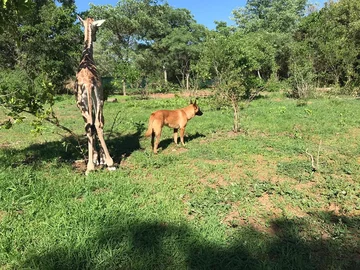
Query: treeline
274, 44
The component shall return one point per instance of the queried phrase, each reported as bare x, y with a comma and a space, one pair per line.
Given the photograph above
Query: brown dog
176, 119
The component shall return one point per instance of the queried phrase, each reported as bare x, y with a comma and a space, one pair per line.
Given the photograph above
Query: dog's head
196, 108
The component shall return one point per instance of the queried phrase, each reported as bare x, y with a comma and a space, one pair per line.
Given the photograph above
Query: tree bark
187, 81
259, 74
235, 105
124, 87
165, 75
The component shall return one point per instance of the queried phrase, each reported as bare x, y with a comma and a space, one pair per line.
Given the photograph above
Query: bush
301, 80
108, 89
18, 93
275, 85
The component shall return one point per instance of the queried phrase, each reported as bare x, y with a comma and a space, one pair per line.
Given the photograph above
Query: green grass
224, 201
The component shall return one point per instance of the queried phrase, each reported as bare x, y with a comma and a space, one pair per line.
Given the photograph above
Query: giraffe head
90, 28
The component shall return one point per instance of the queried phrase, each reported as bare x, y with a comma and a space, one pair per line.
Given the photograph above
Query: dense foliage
39, 51
149, 44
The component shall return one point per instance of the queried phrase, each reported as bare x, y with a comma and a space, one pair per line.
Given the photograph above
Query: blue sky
205, 11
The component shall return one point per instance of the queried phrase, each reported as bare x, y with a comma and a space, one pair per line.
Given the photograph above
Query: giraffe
89, 97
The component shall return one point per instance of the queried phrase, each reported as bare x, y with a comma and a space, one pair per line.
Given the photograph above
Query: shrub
18, 93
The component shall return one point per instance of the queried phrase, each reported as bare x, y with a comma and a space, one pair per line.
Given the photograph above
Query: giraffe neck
88, 45
88, 37
87, 60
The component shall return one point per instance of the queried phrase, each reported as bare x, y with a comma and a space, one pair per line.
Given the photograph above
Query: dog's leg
157, 141
182, 132
175, 135
152, 140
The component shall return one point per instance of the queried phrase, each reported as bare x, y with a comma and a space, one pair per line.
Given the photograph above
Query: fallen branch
314, 167
312, 160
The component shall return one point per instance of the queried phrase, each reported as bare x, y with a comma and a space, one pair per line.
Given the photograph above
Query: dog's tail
150, 128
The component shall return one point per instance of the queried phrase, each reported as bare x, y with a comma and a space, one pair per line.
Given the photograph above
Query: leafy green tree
232, 61
154, 38
333, 34
178, 46
11, 12
42, 50
125, 30
301, 69
182, 47
270, 15
274, 22
126, 73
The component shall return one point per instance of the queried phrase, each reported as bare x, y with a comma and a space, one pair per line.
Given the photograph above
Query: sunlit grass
224, 201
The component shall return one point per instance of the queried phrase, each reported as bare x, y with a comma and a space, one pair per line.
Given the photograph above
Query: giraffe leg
99, 124
90, 136
100, 132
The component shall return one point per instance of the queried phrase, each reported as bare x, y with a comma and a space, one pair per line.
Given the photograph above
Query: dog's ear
191, 101
195, 102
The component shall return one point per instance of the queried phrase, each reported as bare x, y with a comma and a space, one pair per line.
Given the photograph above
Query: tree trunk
235, 106
187, 81
165, 75
259, 74
124, 87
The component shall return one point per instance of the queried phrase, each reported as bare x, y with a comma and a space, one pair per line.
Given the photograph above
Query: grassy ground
225, 201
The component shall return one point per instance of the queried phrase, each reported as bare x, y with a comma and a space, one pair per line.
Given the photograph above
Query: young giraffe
90, 97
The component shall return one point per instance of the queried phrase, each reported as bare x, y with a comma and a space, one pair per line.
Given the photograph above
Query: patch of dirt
304, 186
79, 165
162, 95
233, 219
79, 199
100, 190
187, 212
214, 162
295, 211
325, 236
333, 207
199, 93
2, 215
216, 135
269, 206
352, 137
179, 150
232, 134
291, 210
220, 182
353, 133
266, 170
260, 226
5, 145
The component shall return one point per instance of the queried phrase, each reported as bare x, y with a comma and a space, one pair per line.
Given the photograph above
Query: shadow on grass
167, 142
121, 244
70, 149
